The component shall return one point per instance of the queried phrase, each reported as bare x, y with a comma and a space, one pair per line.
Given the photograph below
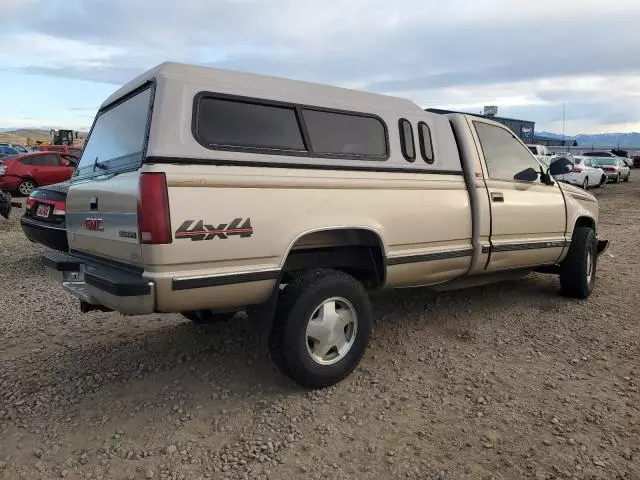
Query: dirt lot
507, 381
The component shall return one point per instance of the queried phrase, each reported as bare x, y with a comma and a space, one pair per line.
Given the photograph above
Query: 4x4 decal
200, 231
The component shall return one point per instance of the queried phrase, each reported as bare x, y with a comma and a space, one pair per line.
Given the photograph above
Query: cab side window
504, 155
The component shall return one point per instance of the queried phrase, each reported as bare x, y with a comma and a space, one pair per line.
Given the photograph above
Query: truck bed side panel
228, 220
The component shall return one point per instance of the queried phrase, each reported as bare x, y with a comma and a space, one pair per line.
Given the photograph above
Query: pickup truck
541, 152
208, 192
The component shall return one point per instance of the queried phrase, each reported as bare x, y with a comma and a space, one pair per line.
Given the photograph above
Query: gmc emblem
93, 224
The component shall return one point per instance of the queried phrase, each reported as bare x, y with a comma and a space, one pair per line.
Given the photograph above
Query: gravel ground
504, 381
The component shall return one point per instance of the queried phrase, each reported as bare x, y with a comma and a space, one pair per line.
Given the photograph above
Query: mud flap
603, 245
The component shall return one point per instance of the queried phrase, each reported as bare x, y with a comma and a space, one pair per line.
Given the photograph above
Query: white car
627, 161
585, 173
615, 168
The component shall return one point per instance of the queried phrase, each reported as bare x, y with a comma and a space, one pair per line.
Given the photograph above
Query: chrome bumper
100, 287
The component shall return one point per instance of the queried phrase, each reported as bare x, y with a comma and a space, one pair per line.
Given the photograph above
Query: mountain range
601, 140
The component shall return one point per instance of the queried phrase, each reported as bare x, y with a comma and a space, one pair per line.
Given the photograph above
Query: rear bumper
101, 286
572, 179
50, 235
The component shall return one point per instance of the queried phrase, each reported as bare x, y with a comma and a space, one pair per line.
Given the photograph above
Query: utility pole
564, 109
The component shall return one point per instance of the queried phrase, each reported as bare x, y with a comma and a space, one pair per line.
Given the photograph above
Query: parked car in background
23, 173
584, 173
636, 161
44, 220
614, 168
627, 161
7, 150
541, 152
18, 148
76, 152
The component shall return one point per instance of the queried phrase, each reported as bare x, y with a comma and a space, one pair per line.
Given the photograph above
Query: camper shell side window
229, 122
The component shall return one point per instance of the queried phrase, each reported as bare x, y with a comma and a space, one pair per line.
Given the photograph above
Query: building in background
524, 129
554, 142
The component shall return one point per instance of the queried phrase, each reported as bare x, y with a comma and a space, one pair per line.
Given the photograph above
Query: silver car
614, 168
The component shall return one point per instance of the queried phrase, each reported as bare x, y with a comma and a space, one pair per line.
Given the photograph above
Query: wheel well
358, 252
22, 179
585, 222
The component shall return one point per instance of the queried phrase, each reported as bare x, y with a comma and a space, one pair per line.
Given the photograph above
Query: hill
602, 140
21, 135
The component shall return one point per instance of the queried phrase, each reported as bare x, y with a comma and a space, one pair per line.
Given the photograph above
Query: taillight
154, 225
59, 208
30, 202
576, 170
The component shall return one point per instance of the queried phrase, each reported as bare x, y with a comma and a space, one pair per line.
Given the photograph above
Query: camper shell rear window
224, 122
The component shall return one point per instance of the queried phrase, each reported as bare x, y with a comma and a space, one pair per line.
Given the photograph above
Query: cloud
24, 50
514, 54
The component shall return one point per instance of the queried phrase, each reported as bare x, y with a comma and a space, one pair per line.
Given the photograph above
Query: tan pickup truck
208, 192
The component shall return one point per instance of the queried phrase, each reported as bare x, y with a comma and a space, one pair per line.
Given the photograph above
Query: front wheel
322, 327
578, 270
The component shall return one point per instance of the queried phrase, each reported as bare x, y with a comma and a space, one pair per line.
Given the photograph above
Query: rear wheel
322, 327
206, 317
585, 183
617, 179
578, 270
628, 177
25, 187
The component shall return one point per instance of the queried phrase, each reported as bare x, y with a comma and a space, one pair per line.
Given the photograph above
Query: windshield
607, 161
117, 139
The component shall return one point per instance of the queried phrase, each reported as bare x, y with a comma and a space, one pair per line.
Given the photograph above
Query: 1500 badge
198, 230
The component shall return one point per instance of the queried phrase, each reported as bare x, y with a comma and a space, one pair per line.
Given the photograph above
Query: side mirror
528, 175
560, 167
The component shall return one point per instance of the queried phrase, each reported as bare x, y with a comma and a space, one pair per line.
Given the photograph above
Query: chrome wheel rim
589, 266
26, 188
331, 331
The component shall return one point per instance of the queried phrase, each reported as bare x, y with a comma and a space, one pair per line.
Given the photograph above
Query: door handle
497, 197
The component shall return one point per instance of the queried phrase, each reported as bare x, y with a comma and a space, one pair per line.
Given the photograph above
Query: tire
207, 317
291, 343
627, 178
617, 180
25, 187
578, 270
585, 184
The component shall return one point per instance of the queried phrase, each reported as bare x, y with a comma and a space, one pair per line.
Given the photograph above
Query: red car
23, 173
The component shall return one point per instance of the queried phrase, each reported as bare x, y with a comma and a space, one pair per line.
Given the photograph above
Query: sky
59, 59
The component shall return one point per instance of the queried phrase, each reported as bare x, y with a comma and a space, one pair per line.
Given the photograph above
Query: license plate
43, 210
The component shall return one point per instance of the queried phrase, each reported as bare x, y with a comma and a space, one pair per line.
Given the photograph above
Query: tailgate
102, 218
